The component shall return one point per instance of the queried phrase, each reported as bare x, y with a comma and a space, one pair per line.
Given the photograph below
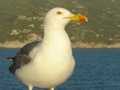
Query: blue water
96, 69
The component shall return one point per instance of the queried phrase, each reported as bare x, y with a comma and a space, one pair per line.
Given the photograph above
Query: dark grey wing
22, 57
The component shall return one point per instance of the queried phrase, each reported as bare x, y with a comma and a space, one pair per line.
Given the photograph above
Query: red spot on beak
82, 19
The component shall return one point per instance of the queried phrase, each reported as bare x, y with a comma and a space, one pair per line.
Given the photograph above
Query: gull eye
59, 13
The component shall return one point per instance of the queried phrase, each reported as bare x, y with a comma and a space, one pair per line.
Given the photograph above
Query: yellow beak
78, 17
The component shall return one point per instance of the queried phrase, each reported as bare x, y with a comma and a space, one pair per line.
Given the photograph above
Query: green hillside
20, 18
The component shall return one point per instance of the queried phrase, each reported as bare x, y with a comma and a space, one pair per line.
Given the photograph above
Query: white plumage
50, 62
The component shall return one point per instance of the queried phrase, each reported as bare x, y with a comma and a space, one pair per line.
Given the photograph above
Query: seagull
49, 63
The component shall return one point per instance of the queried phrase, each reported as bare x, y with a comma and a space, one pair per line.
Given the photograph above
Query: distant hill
22, 20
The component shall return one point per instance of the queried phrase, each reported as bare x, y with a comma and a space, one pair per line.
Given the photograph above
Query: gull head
62, 16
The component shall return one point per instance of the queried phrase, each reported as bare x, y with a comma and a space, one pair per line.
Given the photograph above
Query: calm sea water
96, 69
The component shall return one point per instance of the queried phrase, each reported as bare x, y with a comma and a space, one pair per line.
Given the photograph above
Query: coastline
19, 44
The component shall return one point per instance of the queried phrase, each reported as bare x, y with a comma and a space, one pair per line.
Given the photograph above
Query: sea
96, 69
